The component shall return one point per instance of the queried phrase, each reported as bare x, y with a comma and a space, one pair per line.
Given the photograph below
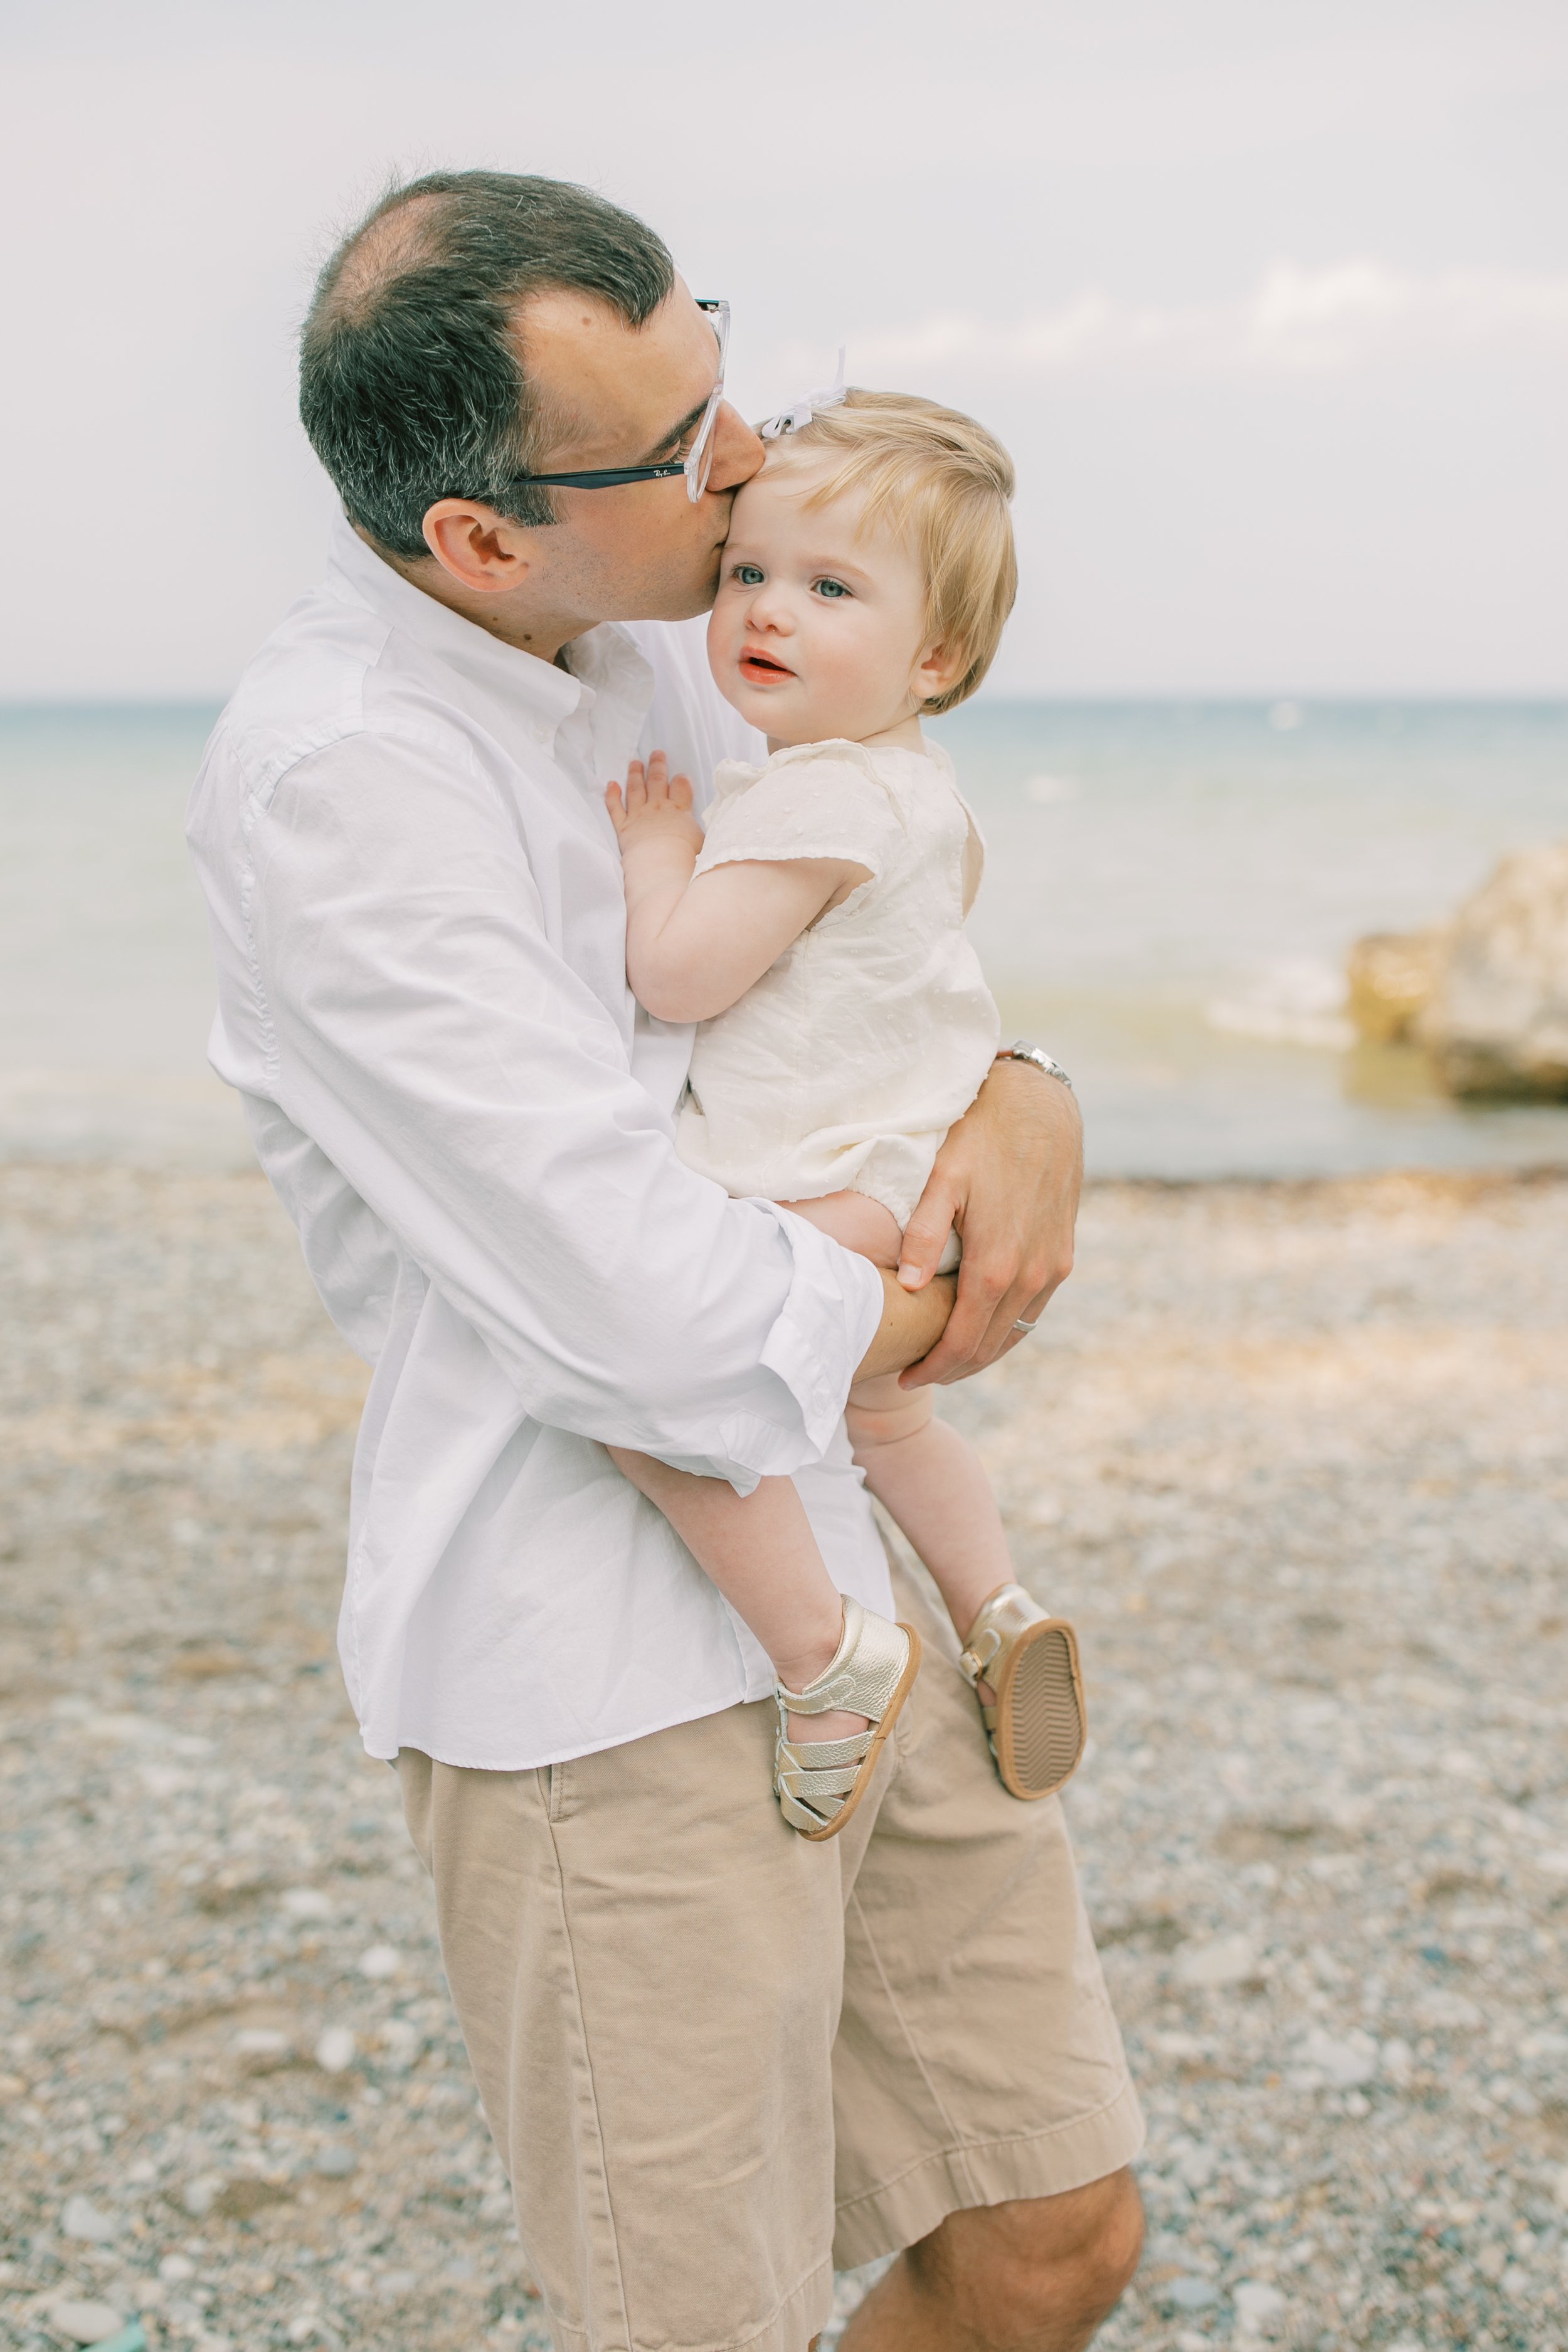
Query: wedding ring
1022, 1325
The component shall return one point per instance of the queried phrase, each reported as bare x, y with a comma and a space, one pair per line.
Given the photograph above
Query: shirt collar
543, 696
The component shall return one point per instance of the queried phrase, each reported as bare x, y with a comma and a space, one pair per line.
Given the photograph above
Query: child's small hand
656, 807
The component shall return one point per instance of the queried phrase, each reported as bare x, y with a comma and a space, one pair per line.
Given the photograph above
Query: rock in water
1391, 978
1498, 1023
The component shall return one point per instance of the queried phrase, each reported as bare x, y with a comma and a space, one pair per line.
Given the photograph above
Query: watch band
1022, 1050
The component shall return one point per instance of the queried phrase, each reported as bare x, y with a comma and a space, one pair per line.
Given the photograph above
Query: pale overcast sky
1271, 300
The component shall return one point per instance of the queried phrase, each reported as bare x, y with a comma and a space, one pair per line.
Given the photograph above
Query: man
695, 2033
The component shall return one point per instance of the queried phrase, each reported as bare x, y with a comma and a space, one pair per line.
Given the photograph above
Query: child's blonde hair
942, 482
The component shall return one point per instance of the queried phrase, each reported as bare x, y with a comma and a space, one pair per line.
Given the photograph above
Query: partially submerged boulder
1486, 994
1498, 1019
1391, 978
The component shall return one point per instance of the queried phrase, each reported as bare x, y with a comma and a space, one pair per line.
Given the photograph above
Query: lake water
1169, 892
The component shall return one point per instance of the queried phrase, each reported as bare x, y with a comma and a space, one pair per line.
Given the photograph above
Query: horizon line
1234, 698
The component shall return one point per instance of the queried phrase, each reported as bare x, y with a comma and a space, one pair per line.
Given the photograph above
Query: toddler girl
815, 933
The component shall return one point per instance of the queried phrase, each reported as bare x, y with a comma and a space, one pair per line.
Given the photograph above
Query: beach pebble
199, 2196
335, 2048
1225, 1960
1256, 2301
81, 2219
1441, 2008
382, 1961
307, 1903
337, 2163
1343, 2062
1188, 2294
176, 2267
85, 2323
401, 2041
262, 2045
1397, 2060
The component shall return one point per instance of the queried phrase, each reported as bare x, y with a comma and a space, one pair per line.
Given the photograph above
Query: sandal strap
817, 1780
1005, 1614
861, 1677
803, 1779
825, 1755
814, 1778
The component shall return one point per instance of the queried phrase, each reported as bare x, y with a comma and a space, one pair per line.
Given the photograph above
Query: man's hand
1008, 1178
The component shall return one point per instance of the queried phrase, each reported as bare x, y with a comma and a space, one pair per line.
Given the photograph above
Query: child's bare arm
695, 943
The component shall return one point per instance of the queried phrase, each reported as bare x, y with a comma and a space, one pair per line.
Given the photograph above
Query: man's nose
737, 452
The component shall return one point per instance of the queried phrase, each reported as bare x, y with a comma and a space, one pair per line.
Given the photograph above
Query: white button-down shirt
417, 910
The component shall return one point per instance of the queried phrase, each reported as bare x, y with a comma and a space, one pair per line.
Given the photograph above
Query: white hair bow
801, 412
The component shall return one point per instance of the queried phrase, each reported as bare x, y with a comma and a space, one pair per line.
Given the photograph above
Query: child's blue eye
749, 575
831, 588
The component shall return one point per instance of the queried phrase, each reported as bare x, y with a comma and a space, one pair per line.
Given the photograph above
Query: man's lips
763, 666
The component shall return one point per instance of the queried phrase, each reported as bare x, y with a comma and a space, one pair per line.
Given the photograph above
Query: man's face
612, 394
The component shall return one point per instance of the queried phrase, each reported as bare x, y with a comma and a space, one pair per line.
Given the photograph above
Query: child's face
818, 630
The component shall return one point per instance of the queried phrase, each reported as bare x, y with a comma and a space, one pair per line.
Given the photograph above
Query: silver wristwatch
1021, 1050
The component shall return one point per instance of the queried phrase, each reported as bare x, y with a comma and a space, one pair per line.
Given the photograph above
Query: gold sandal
1038, 1723
819, 1782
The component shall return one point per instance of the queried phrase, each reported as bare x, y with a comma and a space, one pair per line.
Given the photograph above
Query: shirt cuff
828, 1320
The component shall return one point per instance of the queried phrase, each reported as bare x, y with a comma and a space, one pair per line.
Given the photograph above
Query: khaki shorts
716, 2058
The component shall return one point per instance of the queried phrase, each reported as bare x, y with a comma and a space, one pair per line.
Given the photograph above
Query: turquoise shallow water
1170, 891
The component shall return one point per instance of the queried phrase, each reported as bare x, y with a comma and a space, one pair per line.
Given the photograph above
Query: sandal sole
863, 1777
1041, 1719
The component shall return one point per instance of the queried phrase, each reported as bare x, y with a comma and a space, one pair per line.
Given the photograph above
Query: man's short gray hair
412, 382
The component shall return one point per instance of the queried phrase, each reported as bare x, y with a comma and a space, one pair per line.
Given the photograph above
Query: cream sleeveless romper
843, 1068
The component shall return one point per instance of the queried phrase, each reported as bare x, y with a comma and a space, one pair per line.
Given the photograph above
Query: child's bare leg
930, 1481
925, 1475
861, 1223
761, 1553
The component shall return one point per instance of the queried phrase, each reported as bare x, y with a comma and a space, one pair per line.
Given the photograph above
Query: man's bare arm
1008, 1177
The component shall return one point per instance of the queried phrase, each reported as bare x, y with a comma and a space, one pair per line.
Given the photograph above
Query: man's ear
938, 670
480, 550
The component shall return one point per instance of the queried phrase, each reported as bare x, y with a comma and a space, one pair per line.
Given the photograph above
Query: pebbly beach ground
1295, 1457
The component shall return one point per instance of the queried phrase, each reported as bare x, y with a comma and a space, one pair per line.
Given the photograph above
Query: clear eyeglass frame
698, 462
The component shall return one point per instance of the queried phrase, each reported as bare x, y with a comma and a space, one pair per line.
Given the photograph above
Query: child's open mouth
762, 667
